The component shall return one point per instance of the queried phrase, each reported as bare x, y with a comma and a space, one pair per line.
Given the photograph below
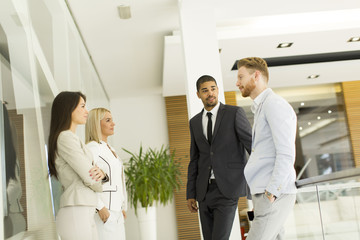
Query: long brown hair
63, 106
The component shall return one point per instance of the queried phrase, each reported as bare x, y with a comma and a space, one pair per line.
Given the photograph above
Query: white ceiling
129, 54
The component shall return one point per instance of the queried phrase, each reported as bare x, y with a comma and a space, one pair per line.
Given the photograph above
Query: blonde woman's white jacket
114, 196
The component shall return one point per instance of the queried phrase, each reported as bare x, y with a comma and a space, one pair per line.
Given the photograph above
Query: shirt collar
259, 100
213, 111
103, 142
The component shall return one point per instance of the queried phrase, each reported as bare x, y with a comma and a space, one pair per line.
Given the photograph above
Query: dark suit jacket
226, 154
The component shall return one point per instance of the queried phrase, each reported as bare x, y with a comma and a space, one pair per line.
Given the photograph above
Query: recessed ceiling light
309, 123
300, 128
318, 118
285, 45
302, 104
354, 39
313, 76
329, 111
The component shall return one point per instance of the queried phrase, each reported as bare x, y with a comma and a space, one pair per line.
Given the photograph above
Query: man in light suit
270, 170
219, 136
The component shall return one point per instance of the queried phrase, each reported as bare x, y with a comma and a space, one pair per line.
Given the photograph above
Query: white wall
142, 120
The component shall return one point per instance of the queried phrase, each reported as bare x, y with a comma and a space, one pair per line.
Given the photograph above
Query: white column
201, 51
201, 54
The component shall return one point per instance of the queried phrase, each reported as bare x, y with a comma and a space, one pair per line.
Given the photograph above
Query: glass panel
28, 200
41, 20
304, 222
27, 89
340, 209
61, 52
46, 99
334, 211
12, 157
74, 66
323, 132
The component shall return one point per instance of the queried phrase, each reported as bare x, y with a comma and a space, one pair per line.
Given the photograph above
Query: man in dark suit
219, 136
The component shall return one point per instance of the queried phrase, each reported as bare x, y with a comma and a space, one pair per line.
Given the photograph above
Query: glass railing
327, 207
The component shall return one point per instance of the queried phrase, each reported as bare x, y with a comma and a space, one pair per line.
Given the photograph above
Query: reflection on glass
28, 82
325, 141
14, 220
13, 161
46, 99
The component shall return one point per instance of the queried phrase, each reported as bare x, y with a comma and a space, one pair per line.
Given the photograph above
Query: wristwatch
269, 195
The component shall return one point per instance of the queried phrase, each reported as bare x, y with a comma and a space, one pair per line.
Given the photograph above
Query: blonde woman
112, 201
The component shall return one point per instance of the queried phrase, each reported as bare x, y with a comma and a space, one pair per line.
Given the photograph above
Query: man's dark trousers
217, 214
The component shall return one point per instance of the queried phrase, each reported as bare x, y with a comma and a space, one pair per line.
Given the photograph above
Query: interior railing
327, 207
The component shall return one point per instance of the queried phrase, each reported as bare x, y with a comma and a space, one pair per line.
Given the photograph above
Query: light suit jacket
226, 154
114, 194
73, 162
271, 163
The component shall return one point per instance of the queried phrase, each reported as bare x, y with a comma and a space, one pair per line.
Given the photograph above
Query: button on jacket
114, 195
271, 163
73, 163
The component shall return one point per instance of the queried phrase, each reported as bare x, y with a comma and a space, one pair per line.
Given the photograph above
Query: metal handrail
340, 175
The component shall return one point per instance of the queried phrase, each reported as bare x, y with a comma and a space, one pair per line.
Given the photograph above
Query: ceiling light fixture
313, 76
285, 45
124, 11
354, 39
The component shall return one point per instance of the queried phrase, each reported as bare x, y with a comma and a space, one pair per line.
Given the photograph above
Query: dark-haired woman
72, 163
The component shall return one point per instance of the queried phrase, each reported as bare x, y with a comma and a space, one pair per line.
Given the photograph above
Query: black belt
212, 181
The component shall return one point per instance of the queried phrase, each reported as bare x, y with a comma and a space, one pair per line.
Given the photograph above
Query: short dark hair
62, 107
203, 79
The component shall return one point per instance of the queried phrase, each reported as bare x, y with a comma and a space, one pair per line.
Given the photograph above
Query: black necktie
209, 127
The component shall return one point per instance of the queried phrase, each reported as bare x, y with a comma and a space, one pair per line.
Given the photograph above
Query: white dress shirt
205, 120
271, 163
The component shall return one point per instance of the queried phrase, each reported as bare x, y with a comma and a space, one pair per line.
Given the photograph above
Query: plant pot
147, 223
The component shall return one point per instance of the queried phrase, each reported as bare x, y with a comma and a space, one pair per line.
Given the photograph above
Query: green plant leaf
151, 175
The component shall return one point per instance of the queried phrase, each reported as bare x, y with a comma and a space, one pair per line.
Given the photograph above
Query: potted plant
151, 176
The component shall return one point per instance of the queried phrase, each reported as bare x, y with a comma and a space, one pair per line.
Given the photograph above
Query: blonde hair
255, 63
92, 126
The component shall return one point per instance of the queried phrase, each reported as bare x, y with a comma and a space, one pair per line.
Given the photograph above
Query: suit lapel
258, 112
198, 126
219, 117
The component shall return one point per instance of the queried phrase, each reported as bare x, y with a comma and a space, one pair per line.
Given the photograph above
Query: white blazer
114, 196
73, 162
